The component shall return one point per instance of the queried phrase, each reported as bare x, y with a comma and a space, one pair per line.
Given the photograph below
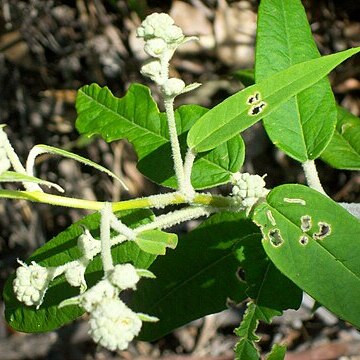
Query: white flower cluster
112, 324
160, 34
31, 283
248, 189
162, 38
4, 160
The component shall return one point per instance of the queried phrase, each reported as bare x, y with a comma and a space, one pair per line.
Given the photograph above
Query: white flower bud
88, 246
248, 189
154, 25
124, 276
97, 294
152, 69
155, 47
113, 325
74, 275
173, 87
173, 34
31, 283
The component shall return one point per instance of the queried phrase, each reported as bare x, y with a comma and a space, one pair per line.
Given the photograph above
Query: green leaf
314, 242
231, 116
267, 286
246, 349
12, 176
45, 149
271, 293
156, 241
58, 251
246, 76
198, 277
277, 352
135, 117
343, 151
303, 126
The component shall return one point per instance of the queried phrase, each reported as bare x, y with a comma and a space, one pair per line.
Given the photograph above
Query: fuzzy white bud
31, 283
124, 276
75, 275
152, 69
97, 294
173, 87
155, 47
113, 325
160, 26
248, 189
88, 246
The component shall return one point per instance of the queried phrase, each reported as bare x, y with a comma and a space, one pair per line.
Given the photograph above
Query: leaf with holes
245, 108
303, 126
315, 243
135, 117
343, 151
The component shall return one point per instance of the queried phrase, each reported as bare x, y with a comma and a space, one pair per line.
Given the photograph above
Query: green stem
154, 201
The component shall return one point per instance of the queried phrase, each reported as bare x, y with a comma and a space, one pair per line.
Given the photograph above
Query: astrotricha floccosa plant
287, 240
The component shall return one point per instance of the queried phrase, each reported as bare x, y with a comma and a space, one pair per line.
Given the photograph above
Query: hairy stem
16, 163
154, 201
188, 164
106, 256
175, 146
177, 217
312, 176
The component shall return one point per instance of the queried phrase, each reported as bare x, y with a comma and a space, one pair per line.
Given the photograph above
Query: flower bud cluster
159, 30
162, 38
31, 283
112, 324
248, 189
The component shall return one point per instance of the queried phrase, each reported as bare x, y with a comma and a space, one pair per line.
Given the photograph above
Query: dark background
48, 49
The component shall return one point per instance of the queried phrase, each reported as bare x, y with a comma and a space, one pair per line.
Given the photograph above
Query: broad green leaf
58, 251
246, 349
303, 126
45, 149
277, 352
156, 241
135, 117
12, 176
343, 151
198, 277
315, 243
267, 286
232, 116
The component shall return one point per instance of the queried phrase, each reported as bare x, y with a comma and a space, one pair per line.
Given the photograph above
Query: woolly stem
312, 176
174, 141
188, 190
15, 161
106, 257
